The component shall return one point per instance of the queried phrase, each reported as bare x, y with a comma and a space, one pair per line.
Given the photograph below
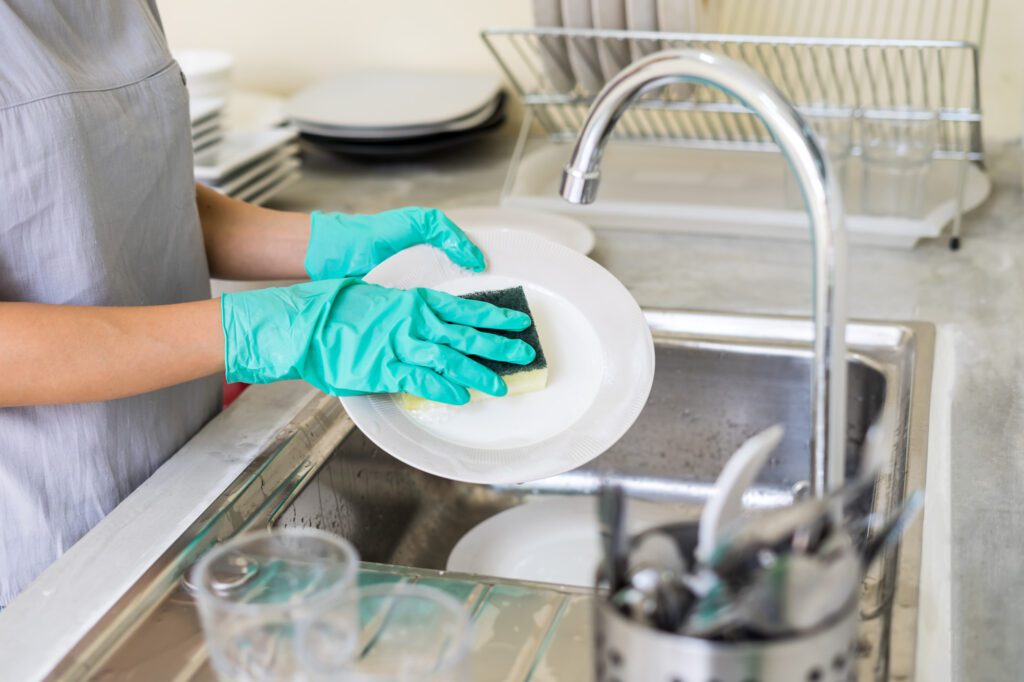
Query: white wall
281, 46
1002, 78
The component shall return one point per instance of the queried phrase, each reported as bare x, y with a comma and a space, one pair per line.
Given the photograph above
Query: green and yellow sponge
518, 378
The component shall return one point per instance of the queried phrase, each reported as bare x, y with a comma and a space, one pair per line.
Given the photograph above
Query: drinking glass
835, 138
409, 633
897, 151
273, 603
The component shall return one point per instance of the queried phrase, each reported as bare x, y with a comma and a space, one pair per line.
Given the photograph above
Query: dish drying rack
921, 59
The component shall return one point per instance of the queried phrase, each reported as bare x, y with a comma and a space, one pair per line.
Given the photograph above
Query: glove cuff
313, 263
329, 253
241, 361
267, 332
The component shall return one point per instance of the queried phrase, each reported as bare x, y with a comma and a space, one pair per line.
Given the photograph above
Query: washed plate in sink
522, 543
600, 368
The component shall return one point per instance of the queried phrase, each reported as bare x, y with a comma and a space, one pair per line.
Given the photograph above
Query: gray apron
97, 207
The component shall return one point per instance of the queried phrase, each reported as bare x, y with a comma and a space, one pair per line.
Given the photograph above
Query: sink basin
710, 393
719, 380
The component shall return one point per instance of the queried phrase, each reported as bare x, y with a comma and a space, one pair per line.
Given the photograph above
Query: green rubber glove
343, 245
347, 337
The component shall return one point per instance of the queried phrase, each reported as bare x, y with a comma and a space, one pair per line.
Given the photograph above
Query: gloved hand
343, 245
348, 337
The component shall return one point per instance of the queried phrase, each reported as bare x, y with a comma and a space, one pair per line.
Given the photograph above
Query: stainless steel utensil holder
626, 651
925, 60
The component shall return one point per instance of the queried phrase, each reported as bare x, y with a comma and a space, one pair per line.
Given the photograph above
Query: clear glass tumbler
835, 137
275, 603
410, 633
897, 153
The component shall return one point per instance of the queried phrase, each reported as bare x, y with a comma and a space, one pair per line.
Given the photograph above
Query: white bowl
208, 72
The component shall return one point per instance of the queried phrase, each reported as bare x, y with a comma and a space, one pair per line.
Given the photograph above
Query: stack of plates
207, 122
251, 165
384, 114
588, 63
238, 149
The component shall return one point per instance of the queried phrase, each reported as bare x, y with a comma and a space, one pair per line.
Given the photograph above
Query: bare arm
68, 354
248, 242
63, 354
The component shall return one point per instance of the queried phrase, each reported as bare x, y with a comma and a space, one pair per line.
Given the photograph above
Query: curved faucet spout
821, 198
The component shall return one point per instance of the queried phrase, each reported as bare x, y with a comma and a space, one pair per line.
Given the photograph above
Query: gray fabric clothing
97, 207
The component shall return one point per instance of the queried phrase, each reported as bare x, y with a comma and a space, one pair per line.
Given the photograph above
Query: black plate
407, 147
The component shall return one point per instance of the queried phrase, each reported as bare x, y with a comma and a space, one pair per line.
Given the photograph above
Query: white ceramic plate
239, 148
205, 126
582, 51
678, 16
642, 15
561, 229
202, 108
247, 174
269, 193
600, 358
469, 122
207, 139
554, 54
612, 54
554, 540
710, 16
393, 99
263, 182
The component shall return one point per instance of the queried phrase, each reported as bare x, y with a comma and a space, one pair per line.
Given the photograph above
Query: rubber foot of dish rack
954, 243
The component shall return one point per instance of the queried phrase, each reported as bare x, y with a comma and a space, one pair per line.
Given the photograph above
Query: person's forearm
63, 354
247, 242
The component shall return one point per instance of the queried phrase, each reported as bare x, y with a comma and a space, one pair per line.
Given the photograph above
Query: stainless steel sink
719, 380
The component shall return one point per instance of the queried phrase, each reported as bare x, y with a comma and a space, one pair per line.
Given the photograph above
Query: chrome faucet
821, 197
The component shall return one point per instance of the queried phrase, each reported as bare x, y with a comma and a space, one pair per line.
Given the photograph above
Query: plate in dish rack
600, 368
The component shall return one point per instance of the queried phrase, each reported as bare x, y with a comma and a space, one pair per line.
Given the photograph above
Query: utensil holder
626, 651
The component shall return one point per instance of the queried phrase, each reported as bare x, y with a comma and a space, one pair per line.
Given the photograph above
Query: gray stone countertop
974, 296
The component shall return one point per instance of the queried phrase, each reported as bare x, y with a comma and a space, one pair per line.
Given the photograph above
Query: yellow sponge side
521, 382
525, 382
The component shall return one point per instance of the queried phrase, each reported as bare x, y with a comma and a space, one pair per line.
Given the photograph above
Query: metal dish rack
809, 48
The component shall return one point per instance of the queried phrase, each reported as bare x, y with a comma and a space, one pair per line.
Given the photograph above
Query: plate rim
296, 106
577, 444
261, 143
587, 239
470, 121
644, 514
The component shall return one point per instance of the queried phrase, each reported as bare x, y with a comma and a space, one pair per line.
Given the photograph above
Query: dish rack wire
935, 72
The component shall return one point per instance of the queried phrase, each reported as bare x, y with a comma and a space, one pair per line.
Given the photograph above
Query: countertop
971, 579
975, 297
